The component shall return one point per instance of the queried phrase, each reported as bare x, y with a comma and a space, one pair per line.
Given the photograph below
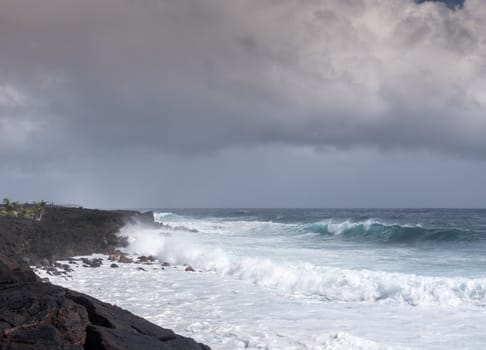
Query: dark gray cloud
201, 76
86, 82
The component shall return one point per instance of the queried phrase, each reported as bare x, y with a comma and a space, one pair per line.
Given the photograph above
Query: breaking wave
305, 279
393, 233
364, 230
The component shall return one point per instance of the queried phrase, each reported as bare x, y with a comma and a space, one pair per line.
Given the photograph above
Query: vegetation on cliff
33, 210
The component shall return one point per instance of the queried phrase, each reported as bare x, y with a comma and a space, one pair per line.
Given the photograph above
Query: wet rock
165, 264
114, 266
121, 257
97, 262
189, 269
14, 270
146, 259
141, 269
53, 271
39, 316
64, 267
125, 259
114, 257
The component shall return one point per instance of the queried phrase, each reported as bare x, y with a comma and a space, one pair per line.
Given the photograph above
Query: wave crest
393, 233
302, 278
363, 230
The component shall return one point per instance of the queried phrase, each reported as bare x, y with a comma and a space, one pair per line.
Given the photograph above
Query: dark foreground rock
13, 268
41, 316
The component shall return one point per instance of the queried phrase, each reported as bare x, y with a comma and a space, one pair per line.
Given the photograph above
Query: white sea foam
223, 313
340, 341
337, 228
162, 216
329, 226
298, 277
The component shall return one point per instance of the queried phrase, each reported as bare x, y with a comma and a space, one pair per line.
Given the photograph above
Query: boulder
146, 259
14, 270
43, 316
97, 262
114, 257
39, 316
65, 267
125, 259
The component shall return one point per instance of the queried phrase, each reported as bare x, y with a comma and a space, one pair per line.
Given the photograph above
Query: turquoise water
432, 242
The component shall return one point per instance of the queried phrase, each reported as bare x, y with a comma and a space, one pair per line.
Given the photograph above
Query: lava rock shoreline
42, 316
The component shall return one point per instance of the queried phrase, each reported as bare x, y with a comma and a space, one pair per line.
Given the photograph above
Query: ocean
306, 278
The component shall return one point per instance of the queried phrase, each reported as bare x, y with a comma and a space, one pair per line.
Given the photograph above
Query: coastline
37, 315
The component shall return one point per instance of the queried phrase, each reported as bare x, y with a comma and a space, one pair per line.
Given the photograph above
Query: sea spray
370, 229
304, 278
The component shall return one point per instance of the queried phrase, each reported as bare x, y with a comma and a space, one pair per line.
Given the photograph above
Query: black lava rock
41, 316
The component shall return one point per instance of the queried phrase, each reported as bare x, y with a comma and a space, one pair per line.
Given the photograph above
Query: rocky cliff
41, 316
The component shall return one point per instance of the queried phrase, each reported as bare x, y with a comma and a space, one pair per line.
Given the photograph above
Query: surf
372, 230
302, 278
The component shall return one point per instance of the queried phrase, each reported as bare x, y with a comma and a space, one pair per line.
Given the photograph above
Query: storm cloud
194, 77
243, 103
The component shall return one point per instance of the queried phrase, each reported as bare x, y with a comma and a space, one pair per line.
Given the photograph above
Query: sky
243, 103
